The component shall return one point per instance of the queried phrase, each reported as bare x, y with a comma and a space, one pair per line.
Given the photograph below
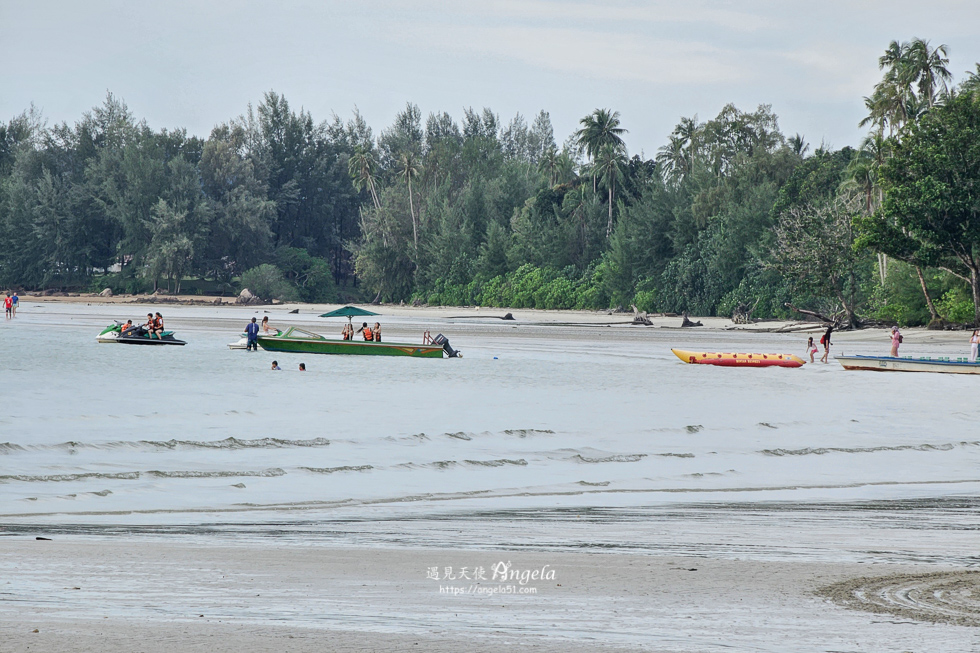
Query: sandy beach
663, 507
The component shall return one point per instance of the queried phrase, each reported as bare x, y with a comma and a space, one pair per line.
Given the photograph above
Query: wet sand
104, 595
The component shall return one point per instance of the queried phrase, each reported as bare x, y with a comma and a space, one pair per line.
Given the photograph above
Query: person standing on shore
14, 301
825, 341
252, 336
896, 337
811, 348
974, 343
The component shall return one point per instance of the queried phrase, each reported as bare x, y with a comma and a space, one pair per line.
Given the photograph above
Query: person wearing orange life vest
157, 327
366, 330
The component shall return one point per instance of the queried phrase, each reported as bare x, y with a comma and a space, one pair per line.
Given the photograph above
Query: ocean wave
268, 473
616, 458
229, 443
820, 451
54, 478
500, 462
343, 468
523, 433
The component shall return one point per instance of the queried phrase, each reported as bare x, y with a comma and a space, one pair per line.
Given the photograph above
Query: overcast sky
194, 64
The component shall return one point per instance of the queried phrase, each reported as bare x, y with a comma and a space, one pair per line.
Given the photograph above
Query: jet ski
136, 335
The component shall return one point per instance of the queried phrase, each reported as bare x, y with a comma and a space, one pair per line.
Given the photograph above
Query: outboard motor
444, 341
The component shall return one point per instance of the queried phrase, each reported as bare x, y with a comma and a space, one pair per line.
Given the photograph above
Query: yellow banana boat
738, 360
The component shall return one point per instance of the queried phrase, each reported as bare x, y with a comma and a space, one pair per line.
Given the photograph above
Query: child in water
811, 348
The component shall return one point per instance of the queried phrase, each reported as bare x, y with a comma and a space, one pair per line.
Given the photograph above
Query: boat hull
889, 364
117, 338
723, 359
305, 346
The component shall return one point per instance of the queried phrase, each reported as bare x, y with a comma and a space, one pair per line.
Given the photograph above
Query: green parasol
349, 312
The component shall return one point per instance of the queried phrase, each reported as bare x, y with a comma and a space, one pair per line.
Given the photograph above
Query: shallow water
532, 417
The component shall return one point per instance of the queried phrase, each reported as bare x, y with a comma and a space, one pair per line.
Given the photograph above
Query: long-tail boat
909, 364
728, 359
300, 341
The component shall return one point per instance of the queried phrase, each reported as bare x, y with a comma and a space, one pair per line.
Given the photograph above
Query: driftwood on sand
640, 317
687, 322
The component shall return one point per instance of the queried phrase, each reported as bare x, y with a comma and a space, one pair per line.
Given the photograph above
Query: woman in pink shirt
896, 341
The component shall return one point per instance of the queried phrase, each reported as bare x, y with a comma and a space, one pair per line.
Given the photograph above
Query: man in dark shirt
252, 333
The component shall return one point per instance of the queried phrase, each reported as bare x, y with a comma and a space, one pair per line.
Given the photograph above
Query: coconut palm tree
601, 127
410, 168
608, 168
361, 167
927, 68
549, 165
797, 143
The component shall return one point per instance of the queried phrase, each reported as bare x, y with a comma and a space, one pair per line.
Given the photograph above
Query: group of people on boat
153, 326
370, 334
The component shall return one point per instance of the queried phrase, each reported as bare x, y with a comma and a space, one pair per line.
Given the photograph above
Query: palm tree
799, 146
673, 160
609, 168
361, 168
599, 128
410, 168
549, 165
927, 68
972, 82
914, 72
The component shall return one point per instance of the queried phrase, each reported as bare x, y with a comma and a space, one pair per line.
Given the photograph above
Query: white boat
909, 364
241, 344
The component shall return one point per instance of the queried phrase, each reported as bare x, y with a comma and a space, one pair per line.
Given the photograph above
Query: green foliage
956, 306
932, 189
268, 282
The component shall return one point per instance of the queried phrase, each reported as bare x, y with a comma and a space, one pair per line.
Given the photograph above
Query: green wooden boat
306, 342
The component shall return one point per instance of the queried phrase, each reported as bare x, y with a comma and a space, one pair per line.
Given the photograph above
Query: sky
196, 64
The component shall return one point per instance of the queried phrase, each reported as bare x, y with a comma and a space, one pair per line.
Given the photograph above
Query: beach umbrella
349, 312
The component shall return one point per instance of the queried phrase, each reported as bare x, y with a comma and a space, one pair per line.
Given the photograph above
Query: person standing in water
252, 336
825, 341
302, 367
974, 343
275, 366
811, 348
896, 337
8, 304
14, 301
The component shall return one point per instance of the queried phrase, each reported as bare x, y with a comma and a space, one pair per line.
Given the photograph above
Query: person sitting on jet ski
126, 327
148, 327
157, 326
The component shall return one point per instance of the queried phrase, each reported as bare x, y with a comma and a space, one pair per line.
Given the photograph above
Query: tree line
730, 215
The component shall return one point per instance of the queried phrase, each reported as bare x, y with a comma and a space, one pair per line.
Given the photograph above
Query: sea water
534, 416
